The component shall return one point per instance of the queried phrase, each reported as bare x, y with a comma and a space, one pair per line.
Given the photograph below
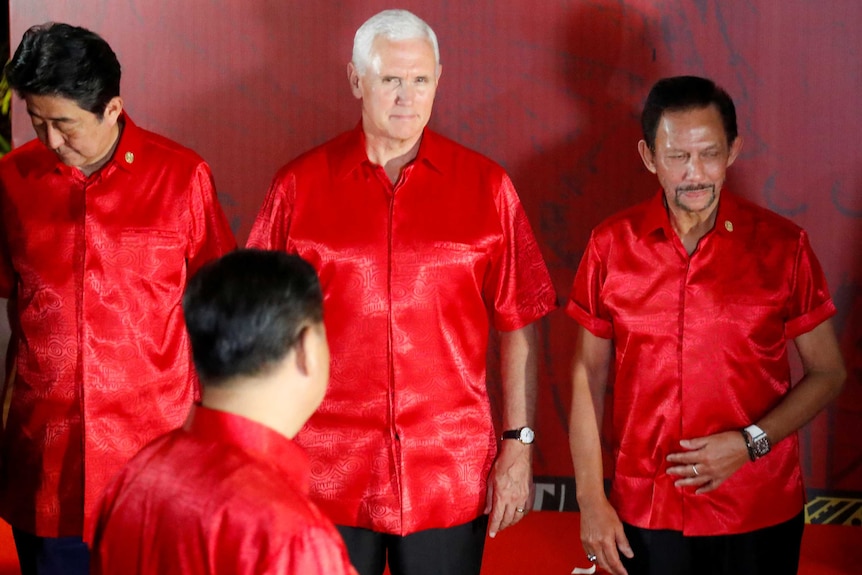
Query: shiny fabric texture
96, 267
222, 495
701, 348
414, 275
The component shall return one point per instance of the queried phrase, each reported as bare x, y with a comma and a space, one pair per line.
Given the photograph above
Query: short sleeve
270, 229
522, 291
810, 303
210, 233
585, 305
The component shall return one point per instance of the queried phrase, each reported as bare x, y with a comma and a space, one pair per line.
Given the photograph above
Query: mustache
694, 188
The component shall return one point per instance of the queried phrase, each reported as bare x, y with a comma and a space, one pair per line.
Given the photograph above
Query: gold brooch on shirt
728, 225
130, 157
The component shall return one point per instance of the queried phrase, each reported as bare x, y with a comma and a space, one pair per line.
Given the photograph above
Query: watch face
527, 435
761, 446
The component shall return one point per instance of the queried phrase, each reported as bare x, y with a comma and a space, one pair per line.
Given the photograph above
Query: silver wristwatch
757, 442
523, 434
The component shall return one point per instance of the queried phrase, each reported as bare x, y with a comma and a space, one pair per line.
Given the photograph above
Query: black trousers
451, 551
769, 551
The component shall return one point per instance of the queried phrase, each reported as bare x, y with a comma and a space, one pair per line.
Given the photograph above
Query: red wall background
552, 91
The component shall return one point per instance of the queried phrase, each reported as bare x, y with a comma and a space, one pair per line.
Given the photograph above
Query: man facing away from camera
228, 492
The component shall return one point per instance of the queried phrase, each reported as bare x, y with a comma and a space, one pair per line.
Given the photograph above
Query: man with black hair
102, 222
228, 492
694, 295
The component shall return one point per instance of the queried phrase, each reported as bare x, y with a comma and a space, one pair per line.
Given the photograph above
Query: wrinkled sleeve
272, 224
519, 284
105, 547
263, 545
585, 304
810, 303
315, 551
210, 234
7, 288
7, 272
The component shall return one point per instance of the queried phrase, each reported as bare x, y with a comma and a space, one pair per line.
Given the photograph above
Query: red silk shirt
701, 348
96, 267
222, 495
414, 275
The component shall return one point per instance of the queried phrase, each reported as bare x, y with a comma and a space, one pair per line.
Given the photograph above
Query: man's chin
71, 161
406, 132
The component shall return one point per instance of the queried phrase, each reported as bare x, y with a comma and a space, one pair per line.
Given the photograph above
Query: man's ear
312, 350
735, 148
354, 78
647, 156
113, 110
302, 351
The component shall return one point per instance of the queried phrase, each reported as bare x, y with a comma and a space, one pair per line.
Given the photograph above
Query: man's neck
393, 155
692, 226
259, 399
99, 164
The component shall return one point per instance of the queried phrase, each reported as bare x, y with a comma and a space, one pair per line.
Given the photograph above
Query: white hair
393, 25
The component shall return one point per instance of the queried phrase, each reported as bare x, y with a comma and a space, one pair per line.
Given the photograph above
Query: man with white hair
422, 246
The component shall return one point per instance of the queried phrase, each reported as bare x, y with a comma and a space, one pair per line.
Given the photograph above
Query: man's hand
708, 461
602, 535
510, 486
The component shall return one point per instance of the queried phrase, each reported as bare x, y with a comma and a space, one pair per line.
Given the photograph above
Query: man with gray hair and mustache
422, 246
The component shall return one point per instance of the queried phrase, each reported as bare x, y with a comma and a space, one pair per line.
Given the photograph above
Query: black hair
61, 60
245, 311
680, 93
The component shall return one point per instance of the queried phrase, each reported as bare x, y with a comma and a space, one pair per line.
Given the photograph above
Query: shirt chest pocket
146, 264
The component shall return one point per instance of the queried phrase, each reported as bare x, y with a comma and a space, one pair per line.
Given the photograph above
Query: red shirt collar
263, 442
351, 153
729, 221
129, 149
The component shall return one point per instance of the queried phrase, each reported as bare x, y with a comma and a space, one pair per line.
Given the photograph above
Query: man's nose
696, 168
406, 92
53, 137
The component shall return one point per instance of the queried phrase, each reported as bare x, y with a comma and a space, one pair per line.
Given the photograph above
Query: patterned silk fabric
701, 348
224, 494
413, 276
97, 267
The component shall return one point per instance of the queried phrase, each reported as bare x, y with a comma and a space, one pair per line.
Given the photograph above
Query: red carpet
546, 543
